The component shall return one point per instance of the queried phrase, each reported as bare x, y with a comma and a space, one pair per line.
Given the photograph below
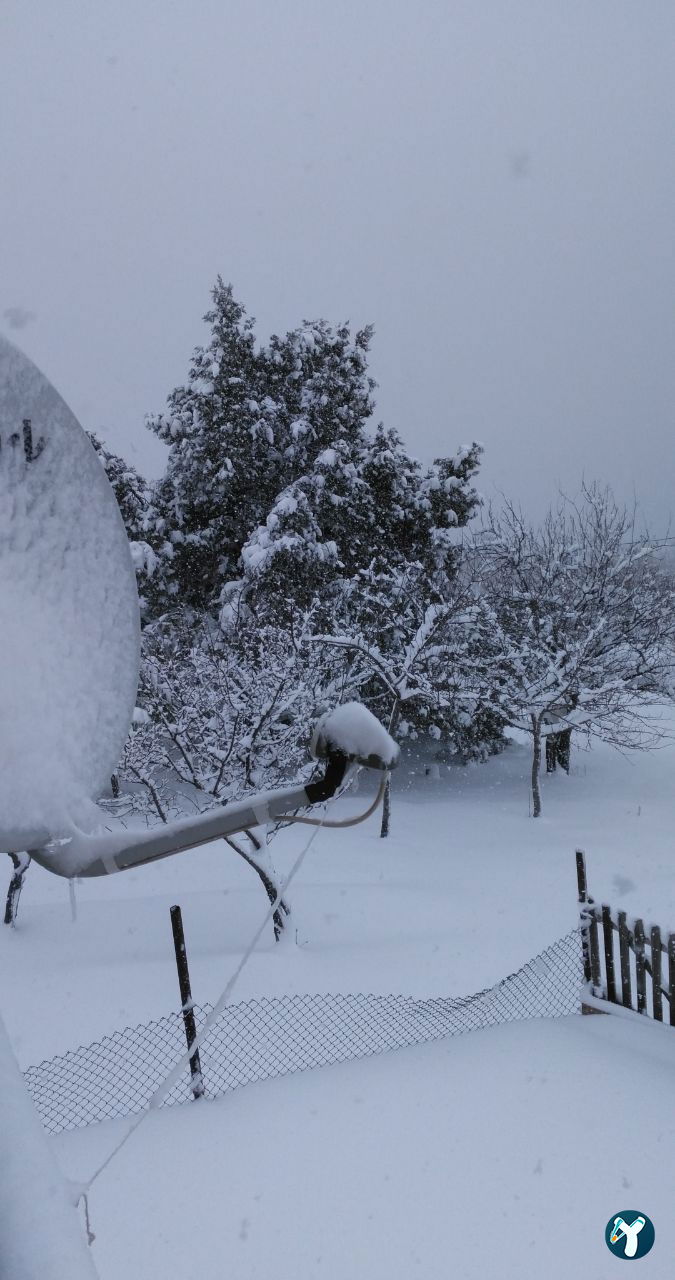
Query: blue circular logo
629, 1234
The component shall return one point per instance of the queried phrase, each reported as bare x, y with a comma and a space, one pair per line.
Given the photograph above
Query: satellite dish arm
109, 852
350, 735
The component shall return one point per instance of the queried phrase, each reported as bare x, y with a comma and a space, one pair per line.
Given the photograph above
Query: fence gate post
583, 901
624, 955
589, 934
657, 994
671, 978
187, 1004
640, 967
608, 939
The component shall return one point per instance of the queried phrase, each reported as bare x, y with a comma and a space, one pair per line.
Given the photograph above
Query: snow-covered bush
224, 714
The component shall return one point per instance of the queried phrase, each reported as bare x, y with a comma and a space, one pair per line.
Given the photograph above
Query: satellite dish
69, 623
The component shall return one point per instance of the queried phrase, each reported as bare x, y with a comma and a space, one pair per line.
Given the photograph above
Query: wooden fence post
186, 1000
589, 934
640, 968
608, 939
636, 940
657, 995
583, 903
671, 977
596, 975
624, 956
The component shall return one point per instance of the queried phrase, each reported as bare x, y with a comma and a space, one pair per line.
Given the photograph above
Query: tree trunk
386, 799
21, 863
271, 889
536, 763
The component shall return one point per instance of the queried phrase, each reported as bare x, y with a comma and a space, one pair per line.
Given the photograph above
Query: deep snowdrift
40, 1233
502, 1153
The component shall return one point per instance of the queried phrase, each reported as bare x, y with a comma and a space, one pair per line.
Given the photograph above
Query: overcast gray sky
491, 183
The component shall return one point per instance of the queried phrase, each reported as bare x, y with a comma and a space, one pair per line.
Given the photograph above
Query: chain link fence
260, 1039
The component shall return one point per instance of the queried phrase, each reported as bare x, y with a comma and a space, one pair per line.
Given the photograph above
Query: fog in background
491, 183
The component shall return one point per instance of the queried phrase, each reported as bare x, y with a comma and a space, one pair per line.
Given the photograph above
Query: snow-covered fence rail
623, 956
261, 1039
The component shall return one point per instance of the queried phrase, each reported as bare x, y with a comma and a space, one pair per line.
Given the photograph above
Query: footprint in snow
622, 884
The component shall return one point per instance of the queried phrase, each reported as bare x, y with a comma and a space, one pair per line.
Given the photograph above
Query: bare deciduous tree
575, 624
220, 718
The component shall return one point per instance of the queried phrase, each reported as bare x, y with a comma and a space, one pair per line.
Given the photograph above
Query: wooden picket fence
645, 974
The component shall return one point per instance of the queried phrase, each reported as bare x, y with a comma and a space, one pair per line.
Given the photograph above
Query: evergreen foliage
130, 489
275, 483
291, 541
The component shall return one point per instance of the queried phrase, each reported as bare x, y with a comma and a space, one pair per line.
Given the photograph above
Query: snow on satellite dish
69, 626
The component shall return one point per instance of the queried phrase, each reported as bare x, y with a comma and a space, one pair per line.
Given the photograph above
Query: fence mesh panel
272, 1037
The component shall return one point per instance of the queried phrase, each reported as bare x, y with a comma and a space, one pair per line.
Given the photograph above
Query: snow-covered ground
465, 890
428, 1162
501, 1154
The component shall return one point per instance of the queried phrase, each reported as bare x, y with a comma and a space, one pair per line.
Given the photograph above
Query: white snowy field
502, 1153
426, 1162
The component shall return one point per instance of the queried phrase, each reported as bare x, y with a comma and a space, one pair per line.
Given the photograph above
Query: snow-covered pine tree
134, 497
221, 475
318, 380
269, 448
363, 502
249, 423
130, 489
416, 511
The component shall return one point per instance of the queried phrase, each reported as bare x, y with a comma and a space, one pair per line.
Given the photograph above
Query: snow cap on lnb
353, 731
